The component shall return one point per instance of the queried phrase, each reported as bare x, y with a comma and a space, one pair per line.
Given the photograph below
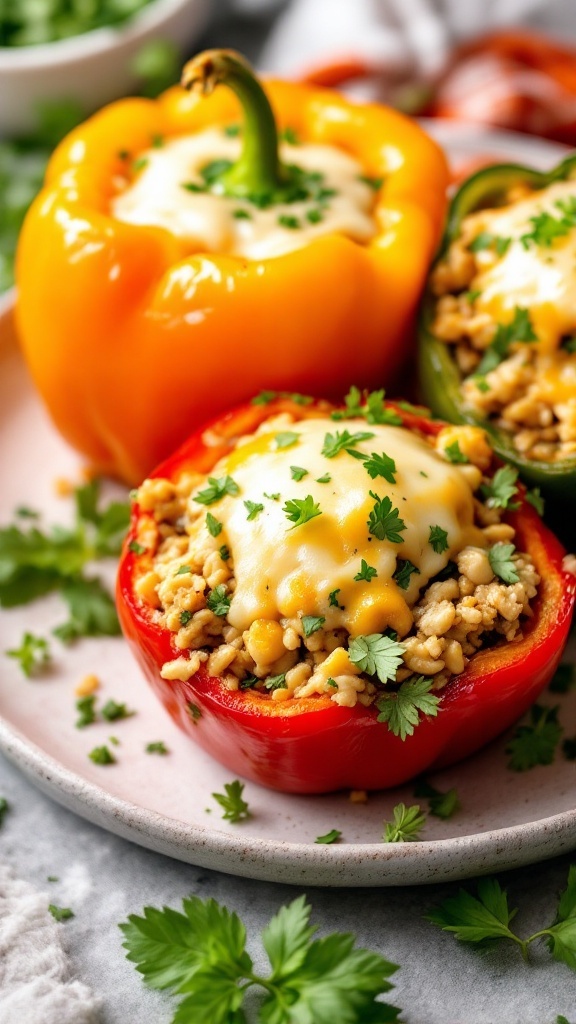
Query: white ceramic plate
164, 803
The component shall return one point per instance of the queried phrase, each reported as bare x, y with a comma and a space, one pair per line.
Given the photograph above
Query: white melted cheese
283, 571
535, 277
207, 223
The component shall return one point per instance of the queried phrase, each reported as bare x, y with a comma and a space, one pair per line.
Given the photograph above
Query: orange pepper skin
133, 341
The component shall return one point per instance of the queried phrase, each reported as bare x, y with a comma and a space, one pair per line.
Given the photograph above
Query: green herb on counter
331, 837
200, 954
33, 654
102, 755
60, 913
407, 825
158, 747
235, 807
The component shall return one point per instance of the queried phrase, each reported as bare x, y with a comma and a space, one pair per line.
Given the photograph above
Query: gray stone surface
104, 879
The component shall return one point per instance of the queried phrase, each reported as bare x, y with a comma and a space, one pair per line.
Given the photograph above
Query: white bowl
92, 68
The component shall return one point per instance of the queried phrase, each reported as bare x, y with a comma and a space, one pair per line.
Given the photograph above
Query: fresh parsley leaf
454, 453
536, 742
224, 552
286, 439
519, 329
438, 539
333, 598
218, 601
276, 682
194, 712
407, 825
60, 913
185, 617
265, 397
501, 489
218, 487
115, 712
214, 525
33, 655
234, 806
373, 409
331, 837
482, 241
377, 465
183, 570
476, 919
384, 521
536, 500
442, 805
564, 678
201, 954
401, 709
86, 708
109, 525
91, 608
136, 547
373, 183
500, 558
325, 479
102, 755
287, 220
342, 440
272, 497
376, 654
367, 572
312, 623
405, 569
157, 747
545, 230
298, 473
254, 508
4, 808
301, 511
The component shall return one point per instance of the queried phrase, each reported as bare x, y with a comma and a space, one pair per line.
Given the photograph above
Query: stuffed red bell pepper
327, 598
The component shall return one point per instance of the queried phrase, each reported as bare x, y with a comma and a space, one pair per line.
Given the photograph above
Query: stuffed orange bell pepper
180, 257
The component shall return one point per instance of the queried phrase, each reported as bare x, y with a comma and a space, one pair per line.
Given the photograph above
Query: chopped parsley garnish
438, 539
519, 329
546, 228
249, 682
312, 623
536, 742
500, 558
372, 182
102, 755
287, 220
472, 295
218, 601
407, 825
158, 747
224, 552
384, 521
232, 130
377, 465
200, 954
535, 499
139, 164
185, 617
332, 682
325, 479
405, 569
60, 913
331, 837
254, 508
373, 409
241, 214
401, 709
136, 547
314, 216
501, 489
217, 489
298, 473
454, 453
86, 708
442, 805
300, 511
183, 570
276, 682
114, 712
367, 572
265, 397
485, 240
286, 439
234, 806
333, 598
214, 170
4, 808
272, 497
214, 525
33, 654
194, 712
290, 136
377, 654
342, 440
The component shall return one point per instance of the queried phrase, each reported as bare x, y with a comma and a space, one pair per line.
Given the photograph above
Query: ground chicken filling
506, 303
466, 588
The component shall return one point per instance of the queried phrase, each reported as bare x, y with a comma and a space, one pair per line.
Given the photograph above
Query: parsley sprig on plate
201, 955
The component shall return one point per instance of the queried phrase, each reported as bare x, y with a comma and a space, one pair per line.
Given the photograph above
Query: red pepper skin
312, 745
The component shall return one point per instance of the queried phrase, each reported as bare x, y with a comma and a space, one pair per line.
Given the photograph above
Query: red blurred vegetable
312, 745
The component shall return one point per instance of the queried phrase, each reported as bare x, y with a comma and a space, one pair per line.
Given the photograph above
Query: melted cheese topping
281, 571
533, 276
207, 222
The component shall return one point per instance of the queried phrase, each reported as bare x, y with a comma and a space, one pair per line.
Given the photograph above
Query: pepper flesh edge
312, 745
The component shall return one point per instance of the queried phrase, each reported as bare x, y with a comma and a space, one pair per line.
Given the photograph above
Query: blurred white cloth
400, 38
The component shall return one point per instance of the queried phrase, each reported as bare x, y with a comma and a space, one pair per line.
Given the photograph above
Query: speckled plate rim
350, 864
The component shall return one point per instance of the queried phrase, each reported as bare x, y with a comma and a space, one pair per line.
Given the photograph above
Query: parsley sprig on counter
200, 954
35, 562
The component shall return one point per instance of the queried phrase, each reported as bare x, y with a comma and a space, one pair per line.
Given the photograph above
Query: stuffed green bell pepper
498, 335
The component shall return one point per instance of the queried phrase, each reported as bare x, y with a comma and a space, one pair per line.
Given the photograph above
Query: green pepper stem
258, 171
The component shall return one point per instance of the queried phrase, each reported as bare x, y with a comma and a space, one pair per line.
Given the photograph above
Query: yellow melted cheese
205, 222
535, 277
282, 571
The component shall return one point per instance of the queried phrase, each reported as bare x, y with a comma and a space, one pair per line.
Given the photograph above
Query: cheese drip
210, 223
540, 278
282, 571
